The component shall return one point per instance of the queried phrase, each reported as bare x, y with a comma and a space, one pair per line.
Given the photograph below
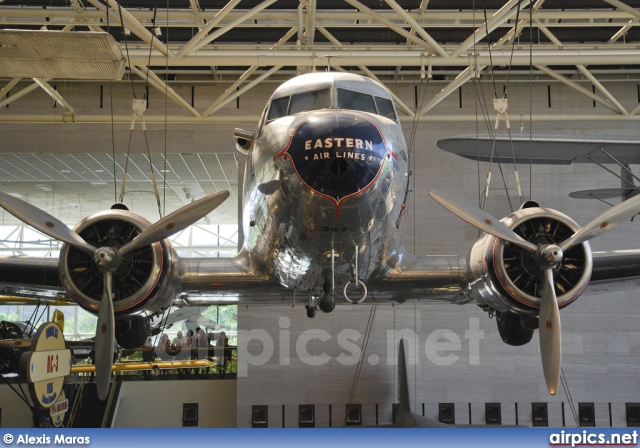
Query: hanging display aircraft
325, 199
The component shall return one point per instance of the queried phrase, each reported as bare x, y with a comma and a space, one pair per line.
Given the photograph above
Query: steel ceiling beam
389, 23
19, 94
244, 89
418, 28
501, 16
610, 102
476, 67
207, 28
223, 99
310, 27
131, 23
53, 93
10, 85
566, 81
253, 119
204, 40
148, 75
186, 17
399, 103
300, 58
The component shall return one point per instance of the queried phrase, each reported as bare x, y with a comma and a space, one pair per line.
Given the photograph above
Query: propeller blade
44, 222
176, 221
550, 339
105, 336
481, 220
610, 219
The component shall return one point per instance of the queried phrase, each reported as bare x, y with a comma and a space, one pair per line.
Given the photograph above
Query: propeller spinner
108, 259
547, 257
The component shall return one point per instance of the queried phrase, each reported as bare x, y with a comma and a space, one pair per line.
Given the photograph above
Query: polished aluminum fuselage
292, 223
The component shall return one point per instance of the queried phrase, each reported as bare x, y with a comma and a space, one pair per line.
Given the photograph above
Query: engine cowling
146, 280
509, 279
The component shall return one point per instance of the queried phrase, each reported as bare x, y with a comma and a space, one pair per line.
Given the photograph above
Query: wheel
311, 311
511, 330
327, 303
10, 357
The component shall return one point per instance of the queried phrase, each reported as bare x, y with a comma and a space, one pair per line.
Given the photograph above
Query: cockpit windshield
353, 100
321, 99
300, 102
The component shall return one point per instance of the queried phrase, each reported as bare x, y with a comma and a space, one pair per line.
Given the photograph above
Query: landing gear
311, 311
10, 357
511, 329
327, 303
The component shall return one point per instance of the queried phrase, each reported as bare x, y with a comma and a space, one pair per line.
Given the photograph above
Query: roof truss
245, 42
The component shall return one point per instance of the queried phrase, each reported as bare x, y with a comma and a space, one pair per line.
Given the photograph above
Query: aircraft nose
337, 154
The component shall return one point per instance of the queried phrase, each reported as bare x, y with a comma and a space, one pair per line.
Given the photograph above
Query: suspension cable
567, 391
113, 131
365, 342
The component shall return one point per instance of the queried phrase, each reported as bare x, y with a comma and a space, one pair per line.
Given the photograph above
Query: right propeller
547, 257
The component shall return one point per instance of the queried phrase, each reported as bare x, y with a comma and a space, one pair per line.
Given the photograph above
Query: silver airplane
325, 199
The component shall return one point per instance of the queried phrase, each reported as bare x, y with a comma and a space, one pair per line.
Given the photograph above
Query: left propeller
547, 257
108, 259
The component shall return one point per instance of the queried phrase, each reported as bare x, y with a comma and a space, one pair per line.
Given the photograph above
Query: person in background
220, 352
177, 341
191, 348
162, 351
178, 350
147, 356
203, 350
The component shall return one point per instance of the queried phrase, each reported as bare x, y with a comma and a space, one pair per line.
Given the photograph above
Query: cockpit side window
385, 108
314, 100
352, 100
278, 108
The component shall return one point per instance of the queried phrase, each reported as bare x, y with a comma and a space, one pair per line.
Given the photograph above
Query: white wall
15, 412
159, 404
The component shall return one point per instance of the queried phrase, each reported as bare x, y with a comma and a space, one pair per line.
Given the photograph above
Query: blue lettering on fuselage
337, 154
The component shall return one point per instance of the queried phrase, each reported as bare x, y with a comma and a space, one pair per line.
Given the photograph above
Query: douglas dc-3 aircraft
325, 198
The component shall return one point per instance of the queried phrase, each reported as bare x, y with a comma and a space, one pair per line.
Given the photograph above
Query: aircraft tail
403, 383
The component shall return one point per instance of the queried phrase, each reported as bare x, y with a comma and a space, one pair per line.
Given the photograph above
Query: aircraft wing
205, 281
31, 281
211, 281
543, 149
447, 278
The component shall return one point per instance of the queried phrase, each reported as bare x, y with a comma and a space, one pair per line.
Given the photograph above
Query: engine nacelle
147, 279
508, 279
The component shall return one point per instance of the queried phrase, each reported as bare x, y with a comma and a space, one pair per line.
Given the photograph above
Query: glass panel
349, 99
278, 108
385, 108
318, 99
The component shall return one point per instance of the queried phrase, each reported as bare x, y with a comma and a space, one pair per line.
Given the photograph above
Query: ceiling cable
126, 47
113, 131
567, 391
365, 342
166, 114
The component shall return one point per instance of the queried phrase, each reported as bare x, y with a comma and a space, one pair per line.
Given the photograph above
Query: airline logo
337, 154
